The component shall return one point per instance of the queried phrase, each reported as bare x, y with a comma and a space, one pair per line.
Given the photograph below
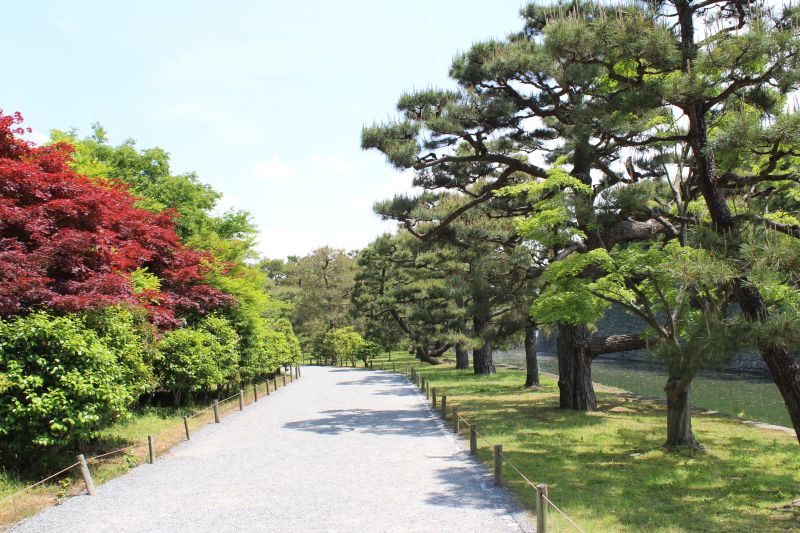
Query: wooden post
276, 383
393, 368
473, 439
216, 411
291, 376
444, 407
498, 464
541, 508
284, 379
150, 452
255, 392
186, 427
456, 421
267, 384
87, 476
433, 397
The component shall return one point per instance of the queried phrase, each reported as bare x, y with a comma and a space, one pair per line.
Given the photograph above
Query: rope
517, 470
38, 483
576, 526
111, 453
201, 411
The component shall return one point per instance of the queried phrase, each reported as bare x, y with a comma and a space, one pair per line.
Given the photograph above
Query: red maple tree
69, 244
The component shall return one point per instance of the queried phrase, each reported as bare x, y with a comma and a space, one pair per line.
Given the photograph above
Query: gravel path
339, 450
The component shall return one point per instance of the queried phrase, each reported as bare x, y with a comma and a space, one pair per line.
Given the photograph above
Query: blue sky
264, 100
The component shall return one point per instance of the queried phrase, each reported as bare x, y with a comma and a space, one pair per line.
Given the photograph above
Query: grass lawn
164, 423
608, 471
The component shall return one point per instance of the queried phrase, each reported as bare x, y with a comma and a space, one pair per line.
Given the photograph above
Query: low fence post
433, 397
473, 439
276, 383
541, 508
267, 384
498, 464
456, 421
393, 367
87, 476
216, 411
150, 451
186, 427
444, 407
383, 365
255, 392
284, 379
241, 399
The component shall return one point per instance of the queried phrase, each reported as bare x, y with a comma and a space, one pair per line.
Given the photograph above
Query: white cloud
37, 137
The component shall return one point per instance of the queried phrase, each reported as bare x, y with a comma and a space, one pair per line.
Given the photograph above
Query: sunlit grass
608, 470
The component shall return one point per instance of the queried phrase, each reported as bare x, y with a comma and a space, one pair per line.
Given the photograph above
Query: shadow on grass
609, 471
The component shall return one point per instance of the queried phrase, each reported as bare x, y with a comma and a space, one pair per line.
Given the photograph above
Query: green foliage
227, 346
187, 361
317, 289
59, 385
367, 351
344, 343
132, 338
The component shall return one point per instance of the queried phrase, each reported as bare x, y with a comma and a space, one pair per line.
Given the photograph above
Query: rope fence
542, 497
83, 462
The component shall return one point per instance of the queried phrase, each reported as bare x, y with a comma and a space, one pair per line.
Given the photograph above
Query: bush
59, 385
187, 362
227, 351
132, 338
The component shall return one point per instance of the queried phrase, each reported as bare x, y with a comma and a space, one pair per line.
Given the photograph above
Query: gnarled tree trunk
531, 361
423, 355
575, 368
679, 416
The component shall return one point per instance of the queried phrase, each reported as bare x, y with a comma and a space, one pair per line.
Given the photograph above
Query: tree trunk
575, 368
531, 362
422, 355
783, 368
462, 357
679, 417
482, 361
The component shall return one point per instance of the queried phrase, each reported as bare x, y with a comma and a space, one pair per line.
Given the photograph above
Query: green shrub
187, 362
59, 385
227, 351
132, 338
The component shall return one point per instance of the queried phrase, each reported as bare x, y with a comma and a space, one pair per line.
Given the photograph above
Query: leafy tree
59, 385
519, 97
70, 244
367, 351
345, 344
317, 288
727, 78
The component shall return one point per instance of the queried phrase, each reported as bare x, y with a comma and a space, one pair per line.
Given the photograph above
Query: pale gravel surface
338, 450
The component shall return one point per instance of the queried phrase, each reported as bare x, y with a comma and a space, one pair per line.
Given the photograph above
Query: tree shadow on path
380, 422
